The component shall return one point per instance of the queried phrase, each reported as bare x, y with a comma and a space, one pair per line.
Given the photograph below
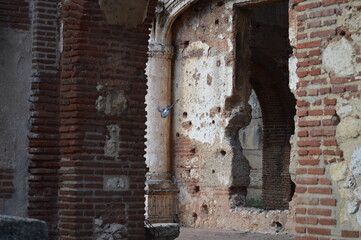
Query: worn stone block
17, 228
166, 231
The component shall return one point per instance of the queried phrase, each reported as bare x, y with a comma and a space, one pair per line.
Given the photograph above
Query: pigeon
164, 112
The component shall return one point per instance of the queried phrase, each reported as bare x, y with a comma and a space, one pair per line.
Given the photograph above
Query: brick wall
14, 14
6, 183
44, 98
78, 60
319, 91
102, 61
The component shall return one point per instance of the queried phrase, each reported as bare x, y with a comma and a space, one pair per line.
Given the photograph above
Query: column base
161, 199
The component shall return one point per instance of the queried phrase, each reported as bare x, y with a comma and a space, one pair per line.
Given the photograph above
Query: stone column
161, 192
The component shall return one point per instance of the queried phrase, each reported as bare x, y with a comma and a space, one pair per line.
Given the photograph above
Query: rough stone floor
217, 234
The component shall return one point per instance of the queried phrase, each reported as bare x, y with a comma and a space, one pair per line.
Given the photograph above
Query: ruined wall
326, 78
15, 68
72, 115
211, 172
102, 120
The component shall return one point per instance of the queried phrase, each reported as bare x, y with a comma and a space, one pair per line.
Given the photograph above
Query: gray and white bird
164, 112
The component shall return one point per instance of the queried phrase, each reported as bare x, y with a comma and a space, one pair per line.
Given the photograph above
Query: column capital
158, 50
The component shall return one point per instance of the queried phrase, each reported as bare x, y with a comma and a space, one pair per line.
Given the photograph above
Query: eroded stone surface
337, 57
109, 231
355, 165
338, 171
111, 147
116, 183
112, 102
22, 228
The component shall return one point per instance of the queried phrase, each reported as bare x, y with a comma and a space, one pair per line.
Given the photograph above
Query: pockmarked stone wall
211, 79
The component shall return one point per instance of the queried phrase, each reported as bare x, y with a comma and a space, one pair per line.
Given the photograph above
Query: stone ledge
18, 228
163, 231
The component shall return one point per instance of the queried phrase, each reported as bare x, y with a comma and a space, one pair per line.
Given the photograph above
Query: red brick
306, 238
307, 181
300, 211
320, 212
309, 162
316, 171
300, 171
319, 190
309, 143
302, 113
328, 201
325, 221
319, 231
300, 229
325, 181
309, 123
323, 33
330, 142
311, 44
302, 133
350, 234
302, 152
330, 102
326, 3
324, 91
322, 13
317, 112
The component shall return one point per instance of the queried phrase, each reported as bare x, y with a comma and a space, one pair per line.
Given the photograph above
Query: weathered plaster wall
211, 171
15, 68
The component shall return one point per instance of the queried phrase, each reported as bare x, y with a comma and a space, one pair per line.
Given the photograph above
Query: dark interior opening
270, 50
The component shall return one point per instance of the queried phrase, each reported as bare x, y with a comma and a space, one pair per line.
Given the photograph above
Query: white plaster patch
344, 111
292, 67
197, 97
109, 231
348, 128
352, 207
111, 147
343, 216
337, 57
355, 165
116, 183
358, 193
358, 216
338, 171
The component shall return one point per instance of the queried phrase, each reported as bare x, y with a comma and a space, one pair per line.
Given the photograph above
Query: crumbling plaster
347, 174
203, 77
15, 66
212, 108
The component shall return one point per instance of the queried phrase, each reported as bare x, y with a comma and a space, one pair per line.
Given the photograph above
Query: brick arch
278, 109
